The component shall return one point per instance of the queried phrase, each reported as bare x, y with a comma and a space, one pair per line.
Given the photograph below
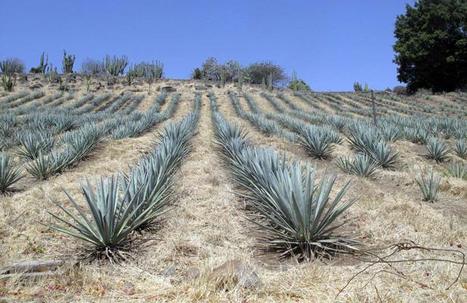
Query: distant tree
211, 70
431, 45
357, 87
260, 71
197, 74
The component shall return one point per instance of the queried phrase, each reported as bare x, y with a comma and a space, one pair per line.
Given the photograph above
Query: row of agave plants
48, 158
428, 131
45, 154
119, 207
295, 214
318, 133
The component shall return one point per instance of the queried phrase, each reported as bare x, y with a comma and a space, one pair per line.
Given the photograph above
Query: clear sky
329, 43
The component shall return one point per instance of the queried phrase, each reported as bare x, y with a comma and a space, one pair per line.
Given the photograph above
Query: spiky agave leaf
9, 175
362, 165
457, 170
429, 185
460, 147
437, 150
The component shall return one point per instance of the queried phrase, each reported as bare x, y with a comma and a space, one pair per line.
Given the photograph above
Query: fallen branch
371, 256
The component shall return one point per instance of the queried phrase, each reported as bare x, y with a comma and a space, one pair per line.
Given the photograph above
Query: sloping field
239, 195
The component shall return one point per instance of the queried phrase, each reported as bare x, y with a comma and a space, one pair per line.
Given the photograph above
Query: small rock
235, 272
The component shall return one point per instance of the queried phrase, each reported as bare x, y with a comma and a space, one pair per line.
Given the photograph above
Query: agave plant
362, 139
437, 150
316, 142
47, 165
8, 174
109, 227
457, 170
362, 165
429, 185
460, 148
33, 144
382, 155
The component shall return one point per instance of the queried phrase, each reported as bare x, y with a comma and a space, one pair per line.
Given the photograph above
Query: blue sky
330, 44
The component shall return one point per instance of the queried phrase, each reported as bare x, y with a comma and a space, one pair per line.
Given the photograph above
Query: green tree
431, 45
297, 84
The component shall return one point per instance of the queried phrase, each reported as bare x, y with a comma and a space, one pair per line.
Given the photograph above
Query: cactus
43, 64
68, 62
115, 66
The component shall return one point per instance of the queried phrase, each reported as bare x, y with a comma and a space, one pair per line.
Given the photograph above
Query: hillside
207, 223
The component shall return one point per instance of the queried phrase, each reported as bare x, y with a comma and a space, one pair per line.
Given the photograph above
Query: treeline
264, 73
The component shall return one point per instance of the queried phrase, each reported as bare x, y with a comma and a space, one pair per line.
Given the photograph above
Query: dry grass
207, 226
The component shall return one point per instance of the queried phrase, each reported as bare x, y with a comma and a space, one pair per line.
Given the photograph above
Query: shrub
8, 174
298, 84
429, 185
197, 74
357, 87
12, 66
437, 150
92, 67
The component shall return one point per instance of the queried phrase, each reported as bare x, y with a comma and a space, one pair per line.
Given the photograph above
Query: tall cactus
68, 62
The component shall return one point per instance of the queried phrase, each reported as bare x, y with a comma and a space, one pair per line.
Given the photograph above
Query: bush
92, 67
12, 66
298, 84
196, 74
357, 87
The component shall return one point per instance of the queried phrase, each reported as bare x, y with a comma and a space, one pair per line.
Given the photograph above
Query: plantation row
318, 133
49, 140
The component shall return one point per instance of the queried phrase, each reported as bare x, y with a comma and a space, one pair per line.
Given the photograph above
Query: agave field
210, 193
